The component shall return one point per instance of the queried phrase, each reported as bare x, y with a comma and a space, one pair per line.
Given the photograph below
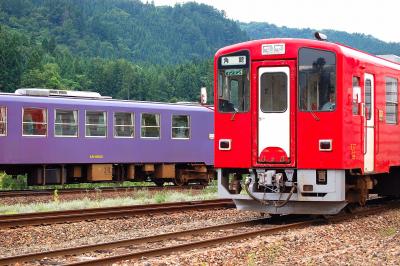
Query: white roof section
63, 93
369, 58
60, 96
390, 57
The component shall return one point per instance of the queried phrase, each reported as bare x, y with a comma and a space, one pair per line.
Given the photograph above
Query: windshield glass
317, 80
233, 90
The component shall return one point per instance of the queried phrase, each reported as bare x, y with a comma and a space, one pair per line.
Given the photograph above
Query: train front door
274, 131
369, 123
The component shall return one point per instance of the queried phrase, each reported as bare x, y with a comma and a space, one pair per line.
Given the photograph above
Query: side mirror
203, 95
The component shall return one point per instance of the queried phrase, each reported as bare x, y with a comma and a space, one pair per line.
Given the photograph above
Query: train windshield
233, 90
234, 83
317, 80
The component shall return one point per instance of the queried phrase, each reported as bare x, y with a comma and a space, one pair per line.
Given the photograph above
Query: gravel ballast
371, 240
22, 240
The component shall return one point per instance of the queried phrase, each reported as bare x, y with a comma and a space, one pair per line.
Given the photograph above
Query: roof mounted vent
62, 93
390, 57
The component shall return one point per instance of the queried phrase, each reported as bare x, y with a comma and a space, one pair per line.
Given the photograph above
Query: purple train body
76, 139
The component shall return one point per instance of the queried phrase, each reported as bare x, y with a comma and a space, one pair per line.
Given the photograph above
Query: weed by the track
387, 232
136, 198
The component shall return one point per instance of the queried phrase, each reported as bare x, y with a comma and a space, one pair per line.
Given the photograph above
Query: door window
273, 92
368, 88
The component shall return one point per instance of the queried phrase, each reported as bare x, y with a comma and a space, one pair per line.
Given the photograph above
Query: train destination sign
272, 49
233, 60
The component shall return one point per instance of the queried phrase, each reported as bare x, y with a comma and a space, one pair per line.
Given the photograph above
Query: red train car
305, 126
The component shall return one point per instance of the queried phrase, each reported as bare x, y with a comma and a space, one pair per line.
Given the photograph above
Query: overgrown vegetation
8, 182
138, 197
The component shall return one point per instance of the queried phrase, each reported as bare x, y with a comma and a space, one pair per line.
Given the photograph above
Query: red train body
311, 125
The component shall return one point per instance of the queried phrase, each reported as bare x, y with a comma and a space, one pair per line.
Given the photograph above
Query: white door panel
274, 126
369, 123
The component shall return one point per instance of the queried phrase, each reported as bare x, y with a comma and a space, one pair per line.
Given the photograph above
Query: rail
37, 218
292, 222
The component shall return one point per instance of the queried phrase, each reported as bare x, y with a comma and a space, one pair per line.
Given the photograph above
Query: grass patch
8, 182
251, 259
387, 232
273, 251
136, 198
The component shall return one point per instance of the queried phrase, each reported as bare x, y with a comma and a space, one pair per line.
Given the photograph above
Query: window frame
298, 79
47, 122
396, 104
5, 122
246, 82
77, 123
105, 123
133, 125
141, 126
188, 127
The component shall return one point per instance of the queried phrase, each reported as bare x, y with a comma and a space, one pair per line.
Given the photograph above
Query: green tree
13, 59
46, 77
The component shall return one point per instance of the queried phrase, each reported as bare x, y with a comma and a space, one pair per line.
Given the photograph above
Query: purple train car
58, 137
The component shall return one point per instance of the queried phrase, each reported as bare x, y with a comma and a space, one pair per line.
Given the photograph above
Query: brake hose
265, 202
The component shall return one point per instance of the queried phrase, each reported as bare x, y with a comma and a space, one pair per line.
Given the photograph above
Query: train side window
3, 121
180, 127
34, 122
66, 123
96, 124
391, 100
150, 126
356, 95
124, 125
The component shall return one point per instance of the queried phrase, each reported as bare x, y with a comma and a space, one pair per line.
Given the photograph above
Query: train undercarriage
159, 173
309, 191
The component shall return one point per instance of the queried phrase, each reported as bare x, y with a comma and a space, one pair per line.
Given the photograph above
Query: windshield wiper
233, 115
314, 115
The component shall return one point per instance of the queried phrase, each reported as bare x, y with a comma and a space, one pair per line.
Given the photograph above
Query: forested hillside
128, 49
258, 30
29, 64
121, 48
126, 29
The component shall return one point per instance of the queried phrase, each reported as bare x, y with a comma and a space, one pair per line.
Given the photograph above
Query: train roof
102, 101
337, 47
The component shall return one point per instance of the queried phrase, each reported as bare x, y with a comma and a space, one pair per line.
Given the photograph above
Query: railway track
39, 218
139, 247
49, 192
145, 240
